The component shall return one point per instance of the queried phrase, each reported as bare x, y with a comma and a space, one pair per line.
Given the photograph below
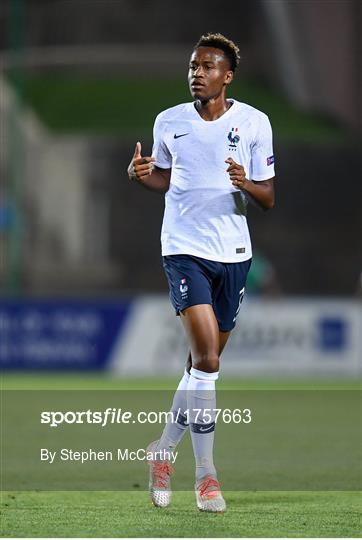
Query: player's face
209, 73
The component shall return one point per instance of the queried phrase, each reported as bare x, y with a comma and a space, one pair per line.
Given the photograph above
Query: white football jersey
205, 215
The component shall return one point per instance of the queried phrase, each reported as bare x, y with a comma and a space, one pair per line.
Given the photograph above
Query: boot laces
208, 486
161, 473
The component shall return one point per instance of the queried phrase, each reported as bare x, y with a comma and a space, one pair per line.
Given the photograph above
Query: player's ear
229, 75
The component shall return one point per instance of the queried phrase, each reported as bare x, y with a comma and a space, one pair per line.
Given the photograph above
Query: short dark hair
229, 48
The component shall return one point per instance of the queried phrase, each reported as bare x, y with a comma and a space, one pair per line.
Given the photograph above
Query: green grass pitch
130, 514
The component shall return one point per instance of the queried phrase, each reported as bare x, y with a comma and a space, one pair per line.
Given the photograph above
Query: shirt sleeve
160, 150
262, 155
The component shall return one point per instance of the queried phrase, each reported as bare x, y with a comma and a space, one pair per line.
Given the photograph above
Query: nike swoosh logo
205, 430
178, 136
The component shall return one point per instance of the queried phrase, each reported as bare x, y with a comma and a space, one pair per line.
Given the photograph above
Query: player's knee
208, 362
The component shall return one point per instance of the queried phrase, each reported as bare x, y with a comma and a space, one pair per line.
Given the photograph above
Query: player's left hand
237, 174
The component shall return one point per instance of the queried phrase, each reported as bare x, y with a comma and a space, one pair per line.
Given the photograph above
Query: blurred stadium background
82, 285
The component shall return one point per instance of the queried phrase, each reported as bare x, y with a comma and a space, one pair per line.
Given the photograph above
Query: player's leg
202, 330
200, 323
223, 338
188, 285
177, 426
203, 333
174, 430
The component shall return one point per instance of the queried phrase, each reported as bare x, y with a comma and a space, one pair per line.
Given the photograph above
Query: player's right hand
140, 167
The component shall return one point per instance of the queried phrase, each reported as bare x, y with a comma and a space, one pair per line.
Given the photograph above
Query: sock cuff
183, 384
203, 375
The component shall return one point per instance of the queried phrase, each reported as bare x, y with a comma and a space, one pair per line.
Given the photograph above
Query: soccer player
210, 157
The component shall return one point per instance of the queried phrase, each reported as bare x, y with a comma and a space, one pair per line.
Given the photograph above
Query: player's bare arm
143, 170
262, 192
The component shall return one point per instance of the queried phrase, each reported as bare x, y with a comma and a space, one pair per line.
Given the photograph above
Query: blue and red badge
234, 138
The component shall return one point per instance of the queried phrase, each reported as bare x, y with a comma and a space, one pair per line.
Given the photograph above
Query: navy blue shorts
193, 280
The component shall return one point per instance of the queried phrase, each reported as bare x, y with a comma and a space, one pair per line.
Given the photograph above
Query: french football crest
233, 138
